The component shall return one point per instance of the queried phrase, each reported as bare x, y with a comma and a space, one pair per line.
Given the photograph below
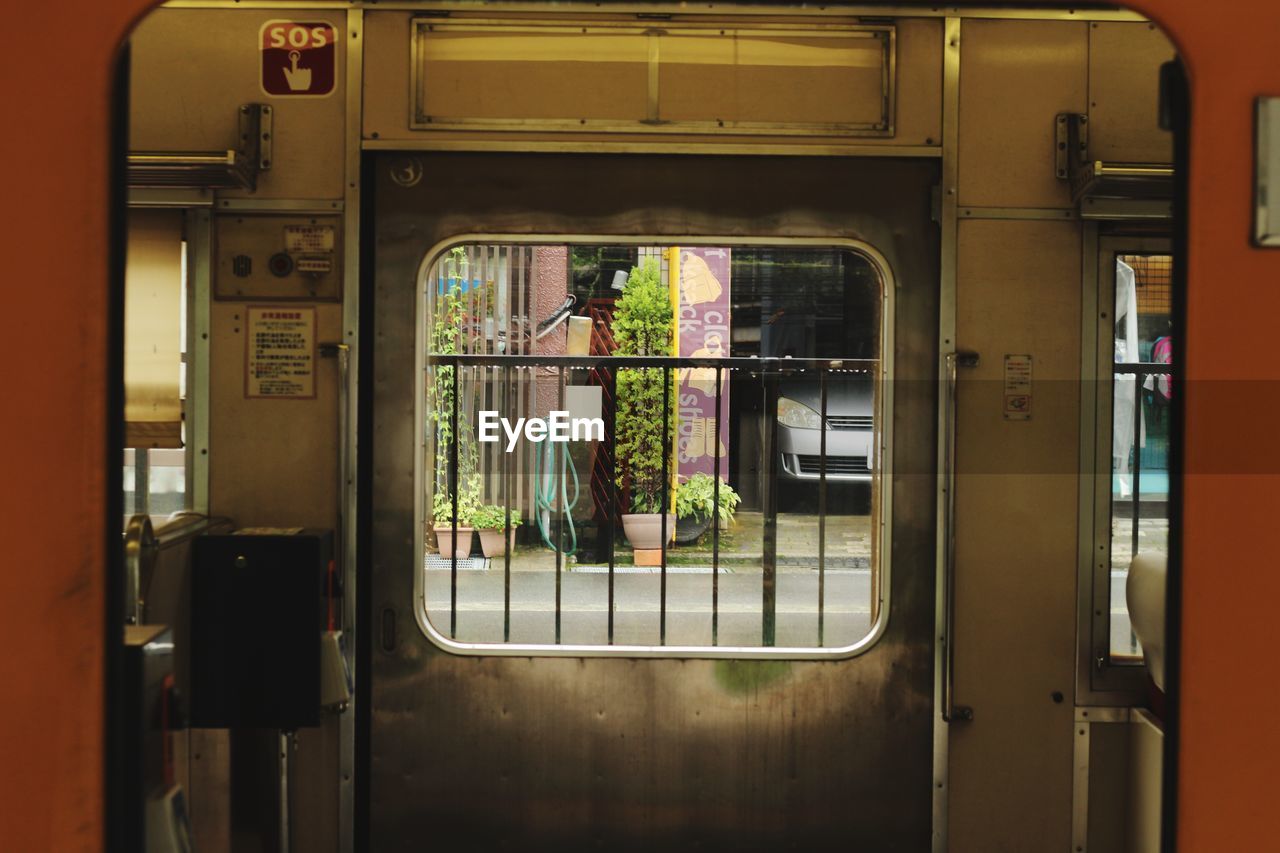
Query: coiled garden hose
546, 480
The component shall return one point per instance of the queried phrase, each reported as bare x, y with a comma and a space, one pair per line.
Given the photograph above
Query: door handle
954, 361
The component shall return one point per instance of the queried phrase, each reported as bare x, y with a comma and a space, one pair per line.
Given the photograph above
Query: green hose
546, 479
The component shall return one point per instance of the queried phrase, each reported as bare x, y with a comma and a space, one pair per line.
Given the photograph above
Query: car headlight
793, 414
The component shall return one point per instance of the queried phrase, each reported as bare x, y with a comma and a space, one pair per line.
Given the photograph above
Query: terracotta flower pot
644, 530
444, 541
493, 544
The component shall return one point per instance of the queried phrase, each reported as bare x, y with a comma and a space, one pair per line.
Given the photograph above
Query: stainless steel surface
346, 842
1080, 785
199, 238
1129, 209
170, 197
951, 712
139, 560
280, 205
631, 754
1019, 213
714, 147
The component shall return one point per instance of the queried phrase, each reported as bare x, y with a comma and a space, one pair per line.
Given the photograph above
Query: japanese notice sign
704, 333
1017, 387
308, 238
298, 59
280, 353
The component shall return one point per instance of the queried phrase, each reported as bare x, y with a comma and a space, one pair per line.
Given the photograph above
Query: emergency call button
298, 58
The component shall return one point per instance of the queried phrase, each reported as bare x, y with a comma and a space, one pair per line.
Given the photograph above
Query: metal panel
274, 458
199, 236
1124, 96
943, 646
635, 753
1017, 76
258, 237
171, 54
1018, 291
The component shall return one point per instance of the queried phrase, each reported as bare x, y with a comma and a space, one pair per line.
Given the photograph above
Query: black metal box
257, 616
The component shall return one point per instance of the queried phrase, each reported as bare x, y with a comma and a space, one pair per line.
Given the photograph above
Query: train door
568, 740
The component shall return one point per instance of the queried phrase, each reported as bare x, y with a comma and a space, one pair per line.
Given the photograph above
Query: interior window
1142, 392
750, 433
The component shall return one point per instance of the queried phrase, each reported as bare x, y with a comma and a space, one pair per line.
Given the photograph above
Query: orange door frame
58, 73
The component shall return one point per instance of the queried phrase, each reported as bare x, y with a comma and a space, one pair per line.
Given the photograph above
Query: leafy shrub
494, 517
696, 497
468, 504
642, 326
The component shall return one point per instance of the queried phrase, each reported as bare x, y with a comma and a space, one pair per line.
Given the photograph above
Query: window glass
1142, 393
523, 332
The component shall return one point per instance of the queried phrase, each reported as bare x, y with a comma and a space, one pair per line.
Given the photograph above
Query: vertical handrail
950, 711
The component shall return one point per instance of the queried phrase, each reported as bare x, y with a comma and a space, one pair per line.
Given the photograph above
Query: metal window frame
884, 451
421, 28
447, 8
1101, 679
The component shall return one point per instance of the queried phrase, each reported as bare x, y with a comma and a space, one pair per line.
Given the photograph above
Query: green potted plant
696, 505
448, 320
442, 518
489, 520
642, 326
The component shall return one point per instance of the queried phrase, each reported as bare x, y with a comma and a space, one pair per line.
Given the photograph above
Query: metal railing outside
515, 371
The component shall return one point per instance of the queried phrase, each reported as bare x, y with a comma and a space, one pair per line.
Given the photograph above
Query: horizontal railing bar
1143, 369
636, 361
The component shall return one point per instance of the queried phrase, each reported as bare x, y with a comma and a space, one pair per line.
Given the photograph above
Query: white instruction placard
280, 353
1017, 387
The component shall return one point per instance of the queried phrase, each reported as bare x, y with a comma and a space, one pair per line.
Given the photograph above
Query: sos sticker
298, 59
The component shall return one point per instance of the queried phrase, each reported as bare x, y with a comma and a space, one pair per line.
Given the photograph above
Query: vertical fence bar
666, 493
769, 551
715, 522
506, 500
453, 499
613, 486
822, 505
559, 505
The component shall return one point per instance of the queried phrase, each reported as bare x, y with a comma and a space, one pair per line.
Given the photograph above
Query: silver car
850, 430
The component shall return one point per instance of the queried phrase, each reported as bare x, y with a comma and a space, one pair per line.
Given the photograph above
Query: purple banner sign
704, 333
